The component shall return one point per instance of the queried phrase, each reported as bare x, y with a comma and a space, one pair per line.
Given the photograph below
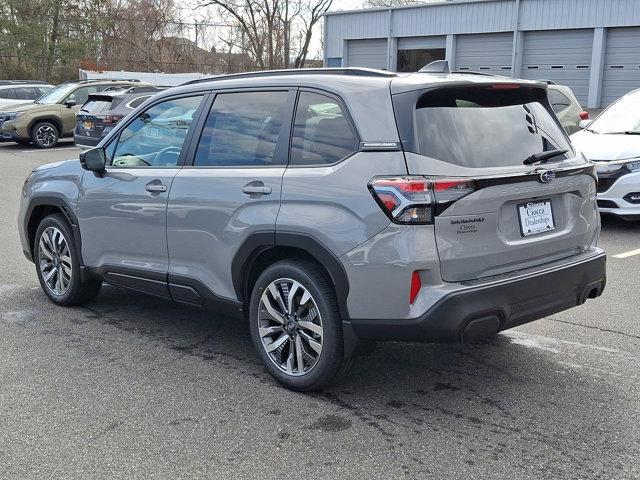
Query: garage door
562, 56
367, 53
485, 52
621, 63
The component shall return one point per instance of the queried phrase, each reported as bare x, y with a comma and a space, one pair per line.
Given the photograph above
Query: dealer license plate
536, 217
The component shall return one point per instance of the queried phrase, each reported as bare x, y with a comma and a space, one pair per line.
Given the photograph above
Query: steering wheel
167, 150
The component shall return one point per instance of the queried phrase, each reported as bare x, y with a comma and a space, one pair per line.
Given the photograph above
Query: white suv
612, 141
14, 92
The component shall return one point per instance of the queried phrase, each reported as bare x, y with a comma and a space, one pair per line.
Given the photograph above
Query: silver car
332, 208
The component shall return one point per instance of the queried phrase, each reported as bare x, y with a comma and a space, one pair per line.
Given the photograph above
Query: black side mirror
94, 160
69, 103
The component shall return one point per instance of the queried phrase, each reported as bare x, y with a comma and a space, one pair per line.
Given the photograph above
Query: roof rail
120, 92
354, 71
21, 82
89, 80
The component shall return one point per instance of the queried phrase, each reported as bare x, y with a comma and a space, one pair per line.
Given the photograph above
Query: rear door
230, 189
511, 215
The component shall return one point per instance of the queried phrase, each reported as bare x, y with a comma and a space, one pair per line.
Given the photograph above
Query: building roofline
406, 7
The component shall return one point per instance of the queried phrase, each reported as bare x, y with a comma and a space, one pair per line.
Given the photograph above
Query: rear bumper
484, 309
85, 142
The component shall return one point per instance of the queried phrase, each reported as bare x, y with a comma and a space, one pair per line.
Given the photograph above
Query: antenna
439, 66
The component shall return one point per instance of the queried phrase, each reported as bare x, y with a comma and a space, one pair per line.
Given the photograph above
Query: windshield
485, 127
57, 94
621, 117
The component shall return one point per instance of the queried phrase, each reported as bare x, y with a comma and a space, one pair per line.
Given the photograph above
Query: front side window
25, 93
489, 126
322, 134
242, 129
81, 94
156, 136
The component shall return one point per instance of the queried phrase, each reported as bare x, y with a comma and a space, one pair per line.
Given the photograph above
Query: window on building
414, 60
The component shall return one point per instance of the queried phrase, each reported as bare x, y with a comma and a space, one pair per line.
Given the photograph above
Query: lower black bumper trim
487, 309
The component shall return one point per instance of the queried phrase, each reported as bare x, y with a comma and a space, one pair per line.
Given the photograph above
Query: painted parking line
630, 253
52, 150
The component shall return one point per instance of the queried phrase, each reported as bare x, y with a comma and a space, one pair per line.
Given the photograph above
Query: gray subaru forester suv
333, 208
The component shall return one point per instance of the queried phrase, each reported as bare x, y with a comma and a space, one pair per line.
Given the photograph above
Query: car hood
14, 107
606, 147
29, 107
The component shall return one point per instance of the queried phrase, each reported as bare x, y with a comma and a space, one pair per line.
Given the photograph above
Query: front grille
606, 180
607, 204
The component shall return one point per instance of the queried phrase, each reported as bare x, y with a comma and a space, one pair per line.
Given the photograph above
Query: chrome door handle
256, 189
155, 187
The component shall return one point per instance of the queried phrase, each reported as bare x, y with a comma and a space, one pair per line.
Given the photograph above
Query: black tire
45, 135
78, 291
331, 364
23, 142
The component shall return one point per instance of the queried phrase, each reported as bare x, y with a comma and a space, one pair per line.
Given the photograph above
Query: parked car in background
102, 111
566, 107
53, 115
332, 207
612, 141
16, 92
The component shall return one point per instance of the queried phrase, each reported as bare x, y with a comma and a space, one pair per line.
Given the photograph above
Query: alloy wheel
54, 259
46, 135
290, 326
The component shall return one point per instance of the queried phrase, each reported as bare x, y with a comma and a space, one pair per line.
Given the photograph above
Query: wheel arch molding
41, 206
259, 244
51, 119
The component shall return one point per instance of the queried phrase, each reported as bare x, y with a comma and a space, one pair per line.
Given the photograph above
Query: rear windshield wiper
543, 157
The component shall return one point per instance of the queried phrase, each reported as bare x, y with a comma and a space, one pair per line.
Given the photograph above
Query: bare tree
268, 27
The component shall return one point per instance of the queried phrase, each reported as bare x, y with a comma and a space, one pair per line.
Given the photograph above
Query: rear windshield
96, 106
486, 126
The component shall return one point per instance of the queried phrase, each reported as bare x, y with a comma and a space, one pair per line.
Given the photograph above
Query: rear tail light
584, 115
416, 200
112, 118
108, 119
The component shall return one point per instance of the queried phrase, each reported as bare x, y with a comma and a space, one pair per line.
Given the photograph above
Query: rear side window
486, 126
322, 134
242, 129
559, 101
137, 102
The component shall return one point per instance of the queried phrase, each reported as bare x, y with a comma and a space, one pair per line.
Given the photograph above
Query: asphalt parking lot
134, 387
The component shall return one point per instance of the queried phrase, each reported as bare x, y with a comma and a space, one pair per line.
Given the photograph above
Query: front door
230, 191
122, 213
68, 114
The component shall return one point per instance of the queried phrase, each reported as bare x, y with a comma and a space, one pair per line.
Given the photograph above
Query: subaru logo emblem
547, 176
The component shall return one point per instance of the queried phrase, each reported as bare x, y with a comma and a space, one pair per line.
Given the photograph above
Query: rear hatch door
517, 215
93, 116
